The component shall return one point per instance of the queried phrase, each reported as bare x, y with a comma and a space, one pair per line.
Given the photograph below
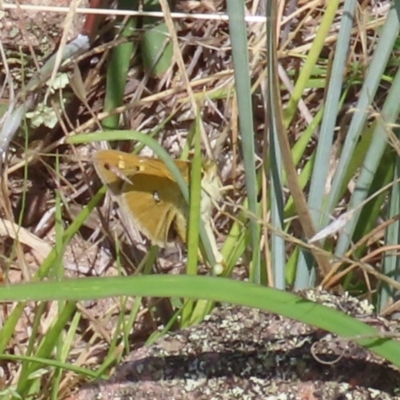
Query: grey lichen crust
243, 353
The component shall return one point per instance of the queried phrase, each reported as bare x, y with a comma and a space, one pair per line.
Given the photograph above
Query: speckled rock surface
242, 353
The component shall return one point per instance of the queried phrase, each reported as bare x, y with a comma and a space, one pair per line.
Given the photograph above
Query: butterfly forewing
107, 162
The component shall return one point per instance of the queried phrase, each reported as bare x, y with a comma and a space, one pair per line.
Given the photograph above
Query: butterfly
151, 199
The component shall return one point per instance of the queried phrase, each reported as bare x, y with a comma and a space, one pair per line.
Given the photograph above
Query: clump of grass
303, 126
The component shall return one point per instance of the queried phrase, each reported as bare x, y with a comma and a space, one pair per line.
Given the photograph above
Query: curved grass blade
210, 288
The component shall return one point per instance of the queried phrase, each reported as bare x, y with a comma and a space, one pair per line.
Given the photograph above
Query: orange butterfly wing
146, 193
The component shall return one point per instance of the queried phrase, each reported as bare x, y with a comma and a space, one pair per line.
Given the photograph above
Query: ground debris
243, 353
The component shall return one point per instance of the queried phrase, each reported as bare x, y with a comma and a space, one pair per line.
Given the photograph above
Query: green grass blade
390, 113
155, 46
371, 82
10, 324
118, 67
48, 344
194, 220
211, 288
275, 165
238, 35
390, 263
305, 275
318, 44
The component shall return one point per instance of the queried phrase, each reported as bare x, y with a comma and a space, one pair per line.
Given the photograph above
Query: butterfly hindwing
153, 204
